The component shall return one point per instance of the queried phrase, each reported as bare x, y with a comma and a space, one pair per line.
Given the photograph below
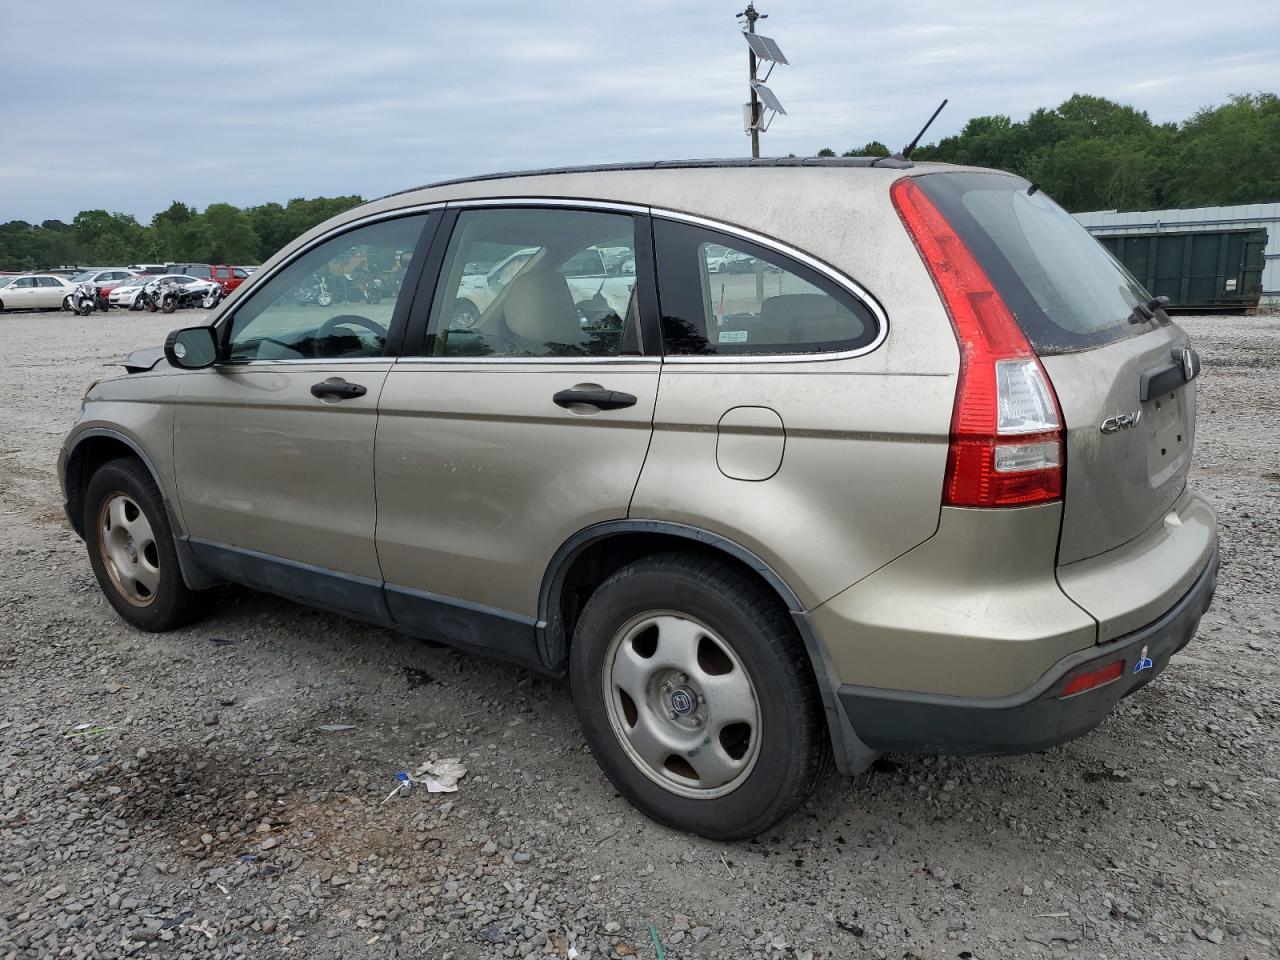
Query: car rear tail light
1006, 446
1092, 679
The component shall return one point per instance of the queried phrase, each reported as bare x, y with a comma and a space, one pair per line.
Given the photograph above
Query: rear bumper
905, 722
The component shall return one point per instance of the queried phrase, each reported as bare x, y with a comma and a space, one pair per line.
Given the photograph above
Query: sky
137, 104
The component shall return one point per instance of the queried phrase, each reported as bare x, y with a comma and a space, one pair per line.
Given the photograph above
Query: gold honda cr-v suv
911, 476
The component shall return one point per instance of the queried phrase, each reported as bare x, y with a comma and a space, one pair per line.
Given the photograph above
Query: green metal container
1196, 270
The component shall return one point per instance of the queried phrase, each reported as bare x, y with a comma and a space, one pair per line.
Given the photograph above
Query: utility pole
752, 16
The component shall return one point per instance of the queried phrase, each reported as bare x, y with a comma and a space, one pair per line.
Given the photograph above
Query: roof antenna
905, 152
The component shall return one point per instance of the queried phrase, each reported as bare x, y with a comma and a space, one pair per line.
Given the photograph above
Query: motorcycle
213, 297
83, 300
157, 295
316, 292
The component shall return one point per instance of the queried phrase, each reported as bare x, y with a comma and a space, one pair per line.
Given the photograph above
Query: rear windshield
1067, 292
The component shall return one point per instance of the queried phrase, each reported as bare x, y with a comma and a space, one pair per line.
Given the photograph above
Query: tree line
1088, 153
1091, 153
221, 233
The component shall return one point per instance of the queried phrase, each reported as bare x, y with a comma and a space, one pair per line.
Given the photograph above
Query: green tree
1229, 154
229, 235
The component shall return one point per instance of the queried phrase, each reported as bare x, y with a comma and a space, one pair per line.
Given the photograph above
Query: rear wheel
696, 696
131, 548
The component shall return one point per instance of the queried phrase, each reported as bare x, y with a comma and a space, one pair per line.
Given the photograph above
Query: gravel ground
217, 816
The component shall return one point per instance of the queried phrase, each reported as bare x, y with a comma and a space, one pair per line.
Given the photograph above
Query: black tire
169, 303
793, 750
172, 603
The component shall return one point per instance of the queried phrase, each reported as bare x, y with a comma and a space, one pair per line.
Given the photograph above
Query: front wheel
169, 304
696, 696
132, 551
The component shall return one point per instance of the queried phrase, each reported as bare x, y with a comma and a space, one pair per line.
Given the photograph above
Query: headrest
539, 308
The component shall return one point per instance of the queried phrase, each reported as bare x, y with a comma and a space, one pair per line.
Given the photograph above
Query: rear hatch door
1120, 370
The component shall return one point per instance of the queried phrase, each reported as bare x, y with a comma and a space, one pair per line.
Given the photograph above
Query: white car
127, 292
591, 285
39, 291
103, 275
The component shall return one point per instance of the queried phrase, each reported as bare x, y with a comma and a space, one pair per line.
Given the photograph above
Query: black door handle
604, 399
337, 388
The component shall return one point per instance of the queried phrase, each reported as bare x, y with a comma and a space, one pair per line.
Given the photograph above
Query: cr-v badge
1123, 421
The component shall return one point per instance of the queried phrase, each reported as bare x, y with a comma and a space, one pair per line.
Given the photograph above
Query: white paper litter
440, 776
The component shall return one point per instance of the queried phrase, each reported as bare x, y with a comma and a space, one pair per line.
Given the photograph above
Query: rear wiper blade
1142, 312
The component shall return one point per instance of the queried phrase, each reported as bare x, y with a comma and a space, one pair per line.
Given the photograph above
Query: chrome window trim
260, 277
851, 286
860, 293
233, 364
541, 361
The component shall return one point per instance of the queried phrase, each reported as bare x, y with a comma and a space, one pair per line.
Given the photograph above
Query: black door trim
470, 626
311, 584
413, 338
459, 623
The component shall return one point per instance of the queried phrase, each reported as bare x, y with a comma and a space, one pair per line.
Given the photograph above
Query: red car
227, 277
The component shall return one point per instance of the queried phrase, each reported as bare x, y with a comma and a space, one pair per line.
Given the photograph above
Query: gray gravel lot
215, 816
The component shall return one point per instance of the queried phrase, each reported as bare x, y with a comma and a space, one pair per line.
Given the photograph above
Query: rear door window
722, 296
1067, 292
528, 282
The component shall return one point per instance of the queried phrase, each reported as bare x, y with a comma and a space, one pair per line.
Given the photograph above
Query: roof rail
891, 163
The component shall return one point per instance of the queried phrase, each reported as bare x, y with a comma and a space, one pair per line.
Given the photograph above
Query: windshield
84, 277
1067, 292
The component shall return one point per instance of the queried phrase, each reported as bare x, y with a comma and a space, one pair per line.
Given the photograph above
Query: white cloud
329, 98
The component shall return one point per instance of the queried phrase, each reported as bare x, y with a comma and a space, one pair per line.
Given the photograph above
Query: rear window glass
1066, 290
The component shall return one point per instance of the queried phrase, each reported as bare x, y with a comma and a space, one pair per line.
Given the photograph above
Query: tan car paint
263, 465
965, 605
1131, 585
481, 477
827, 517
974, 611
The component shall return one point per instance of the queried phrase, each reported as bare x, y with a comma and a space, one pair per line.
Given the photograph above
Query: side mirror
192, 348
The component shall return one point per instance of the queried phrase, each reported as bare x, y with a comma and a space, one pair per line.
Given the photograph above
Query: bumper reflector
1097, 677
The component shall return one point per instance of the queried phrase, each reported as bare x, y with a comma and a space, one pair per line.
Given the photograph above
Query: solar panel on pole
768, 98
765, 48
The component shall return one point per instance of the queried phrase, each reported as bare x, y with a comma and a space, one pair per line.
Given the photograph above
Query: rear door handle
604, 399
338, 389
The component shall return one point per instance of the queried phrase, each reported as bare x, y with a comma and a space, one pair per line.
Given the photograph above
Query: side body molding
851, 755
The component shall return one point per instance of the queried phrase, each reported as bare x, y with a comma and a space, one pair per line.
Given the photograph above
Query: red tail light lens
1006, 445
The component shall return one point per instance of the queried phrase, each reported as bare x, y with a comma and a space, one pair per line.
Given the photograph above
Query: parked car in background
203, 271
127, 292
228, 277
595, 290
147, 267
43, 291
104, 279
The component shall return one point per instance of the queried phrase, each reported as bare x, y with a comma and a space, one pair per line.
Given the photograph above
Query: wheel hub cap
682, 705
683, 701
128, 549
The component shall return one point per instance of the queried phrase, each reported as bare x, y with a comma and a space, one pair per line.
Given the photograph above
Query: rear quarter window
724, 296
1066, 290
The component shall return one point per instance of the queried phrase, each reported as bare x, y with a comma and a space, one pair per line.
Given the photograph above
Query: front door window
334, 301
